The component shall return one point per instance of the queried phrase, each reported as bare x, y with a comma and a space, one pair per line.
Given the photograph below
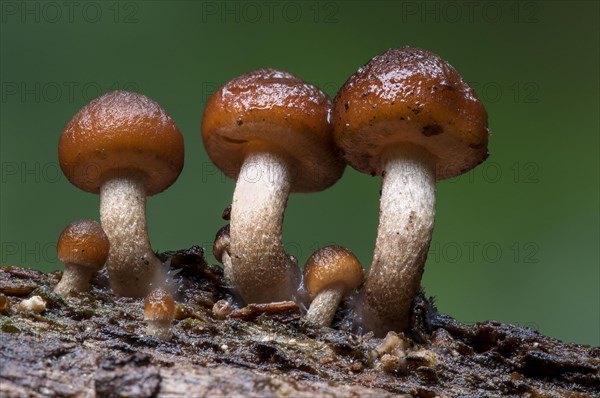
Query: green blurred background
516, 239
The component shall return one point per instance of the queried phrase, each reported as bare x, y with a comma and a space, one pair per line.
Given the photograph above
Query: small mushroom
408, 116
221, 309
125, 147
83, 247
159, 312
330, 273
271, 131
221, 248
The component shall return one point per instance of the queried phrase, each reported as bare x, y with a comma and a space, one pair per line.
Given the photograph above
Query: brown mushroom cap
329, 266
221, 243
119, 133
84, 243
159, 305
410, 96
281, 113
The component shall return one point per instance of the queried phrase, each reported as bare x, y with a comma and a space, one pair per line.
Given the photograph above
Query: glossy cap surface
332, 265
83, 243
159, 305
118, 134
410, 96
273, 111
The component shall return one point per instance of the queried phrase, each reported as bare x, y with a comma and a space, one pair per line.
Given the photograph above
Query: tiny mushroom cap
272, 132
159, 305
329, 266
330, 273
410, 96
125, 147
221, 243
84, 243
159, 312
221, 309
117, 134
410, 117
221, 248
83, 247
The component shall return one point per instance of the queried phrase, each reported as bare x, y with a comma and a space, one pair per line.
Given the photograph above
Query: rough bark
93, 344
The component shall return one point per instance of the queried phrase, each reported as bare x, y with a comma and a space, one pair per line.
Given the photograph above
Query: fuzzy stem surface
75, 278
406, 218
132, 266
323, 307
260, 269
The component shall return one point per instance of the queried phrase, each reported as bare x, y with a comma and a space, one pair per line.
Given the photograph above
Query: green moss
8, 327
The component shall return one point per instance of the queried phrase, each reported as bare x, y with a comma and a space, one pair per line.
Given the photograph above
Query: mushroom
125, 147
159, 312
271, 131
221, 309
330, 274
221, 248
83, 247
408, 116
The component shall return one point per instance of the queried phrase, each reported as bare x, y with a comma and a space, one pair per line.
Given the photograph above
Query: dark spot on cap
239, 122
346, 105
432, 129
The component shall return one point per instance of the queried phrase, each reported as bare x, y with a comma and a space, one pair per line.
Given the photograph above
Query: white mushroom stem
406, 218
260, 269
322, 309
226, 261
159, 328
132, 265
75, 278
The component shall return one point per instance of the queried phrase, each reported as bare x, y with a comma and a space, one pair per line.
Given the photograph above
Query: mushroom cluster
406, 115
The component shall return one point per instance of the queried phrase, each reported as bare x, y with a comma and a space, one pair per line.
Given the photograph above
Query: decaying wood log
93, 344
